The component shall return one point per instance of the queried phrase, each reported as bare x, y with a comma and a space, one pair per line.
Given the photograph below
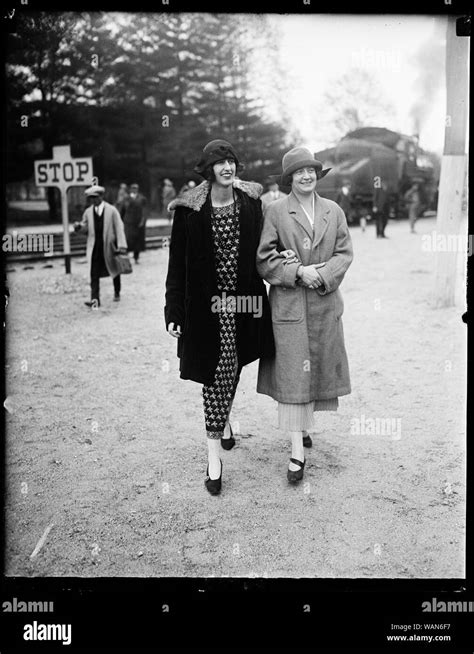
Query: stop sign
63, 171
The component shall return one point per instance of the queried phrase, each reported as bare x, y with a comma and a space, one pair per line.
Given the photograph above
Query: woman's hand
174, 330
290, 256
309, 275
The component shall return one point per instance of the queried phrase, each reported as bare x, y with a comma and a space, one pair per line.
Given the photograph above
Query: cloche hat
215, 151
300, 158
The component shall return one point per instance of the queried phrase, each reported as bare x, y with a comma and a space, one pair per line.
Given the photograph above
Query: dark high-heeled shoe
296, 475
228, 443
213, 485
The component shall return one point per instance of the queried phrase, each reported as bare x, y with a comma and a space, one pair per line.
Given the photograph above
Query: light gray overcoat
310, 361
114, 235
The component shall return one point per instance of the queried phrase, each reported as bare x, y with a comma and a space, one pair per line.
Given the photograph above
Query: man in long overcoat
105, 238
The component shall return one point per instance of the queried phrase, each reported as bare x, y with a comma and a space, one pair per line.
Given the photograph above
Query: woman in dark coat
216, 302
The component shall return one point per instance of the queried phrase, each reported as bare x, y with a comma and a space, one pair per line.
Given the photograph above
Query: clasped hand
308, 275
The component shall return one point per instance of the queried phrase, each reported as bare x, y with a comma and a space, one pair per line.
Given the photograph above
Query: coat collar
321, 212
105, 212
196, 198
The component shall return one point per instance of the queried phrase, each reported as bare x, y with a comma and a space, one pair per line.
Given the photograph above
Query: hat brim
94, 191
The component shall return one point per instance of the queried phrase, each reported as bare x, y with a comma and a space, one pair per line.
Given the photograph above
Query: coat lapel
107, 220
298, 214
247, 223
208, 242
90, 222
321, 214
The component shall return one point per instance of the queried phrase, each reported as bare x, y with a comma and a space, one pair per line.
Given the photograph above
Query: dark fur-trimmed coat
191, 283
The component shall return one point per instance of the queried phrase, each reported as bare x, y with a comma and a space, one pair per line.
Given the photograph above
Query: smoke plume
430, 60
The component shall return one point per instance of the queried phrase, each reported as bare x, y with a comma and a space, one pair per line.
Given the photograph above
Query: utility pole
453, 165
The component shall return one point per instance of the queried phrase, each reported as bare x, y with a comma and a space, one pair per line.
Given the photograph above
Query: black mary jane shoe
296, 475
228, 443
307, 442
213, 485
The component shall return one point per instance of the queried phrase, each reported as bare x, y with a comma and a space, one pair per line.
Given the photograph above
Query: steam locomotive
365, 157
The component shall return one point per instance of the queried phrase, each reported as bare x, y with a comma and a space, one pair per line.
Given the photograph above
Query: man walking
380, 209
134, 218
105, 239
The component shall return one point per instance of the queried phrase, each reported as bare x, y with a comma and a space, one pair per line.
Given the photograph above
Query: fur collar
196, 197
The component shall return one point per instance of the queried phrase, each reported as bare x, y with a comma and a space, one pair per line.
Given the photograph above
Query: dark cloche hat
215, 151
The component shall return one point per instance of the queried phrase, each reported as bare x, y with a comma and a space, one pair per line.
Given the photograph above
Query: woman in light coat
305, 250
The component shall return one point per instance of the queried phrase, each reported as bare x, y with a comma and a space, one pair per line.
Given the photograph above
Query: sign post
453, 165
62, 172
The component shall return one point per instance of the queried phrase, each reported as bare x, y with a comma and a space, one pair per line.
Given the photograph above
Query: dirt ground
106, 445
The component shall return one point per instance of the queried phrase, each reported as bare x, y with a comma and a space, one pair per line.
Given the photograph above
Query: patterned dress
219, 395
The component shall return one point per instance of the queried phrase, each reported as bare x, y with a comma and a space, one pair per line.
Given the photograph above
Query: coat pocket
286, 304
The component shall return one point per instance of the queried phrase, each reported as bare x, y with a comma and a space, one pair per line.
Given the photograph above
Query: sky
404, 53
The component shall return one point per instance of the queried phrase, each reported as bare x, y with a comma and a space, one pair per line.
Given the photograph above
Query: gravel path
106, 445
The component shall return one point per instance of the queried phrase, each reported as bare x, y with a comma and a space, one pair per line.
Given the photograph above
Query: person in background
304, 252
413, 200
272, 194
105, 239
122, 195
134, 218
343, 198
361, 211
380, 209
167, 195
190, 184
